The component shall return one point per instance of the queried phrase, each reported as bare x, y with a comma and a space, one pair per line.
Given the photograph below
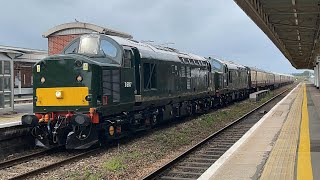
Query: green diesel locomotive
105, 87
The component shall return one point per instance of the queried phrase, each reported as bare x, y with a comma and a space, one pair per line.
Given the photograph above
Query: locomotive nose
63, 80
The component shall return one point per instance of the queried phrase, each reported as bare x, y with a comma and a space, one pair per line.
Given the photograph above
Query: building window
149, 76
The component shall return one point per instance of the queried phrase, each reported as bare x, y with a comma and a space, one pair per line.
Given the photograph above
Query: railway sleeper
193, 167
184, 174
176, 178
195, 164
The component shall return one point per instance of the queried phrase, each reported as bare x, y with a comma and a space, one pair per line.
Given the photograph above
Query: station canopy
292, 25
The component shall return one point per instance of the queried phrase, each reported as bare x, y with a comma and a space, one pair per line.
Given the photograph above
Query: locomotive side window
230, 76
149, 76
188, 71
108, 49
127, 58
183, 71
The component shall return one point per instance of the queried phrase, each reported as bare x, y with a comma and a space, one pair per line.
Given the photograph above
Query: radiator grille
111, 84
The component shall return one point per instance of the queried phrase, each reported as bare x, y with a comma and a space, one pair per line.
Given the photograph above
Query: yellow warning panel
304, 167
62, 96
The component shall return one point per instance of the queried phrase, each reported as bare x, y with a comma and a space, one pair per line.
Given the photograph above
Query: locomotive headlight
42, 80
59, 94
78, 63
79, 78
88, 98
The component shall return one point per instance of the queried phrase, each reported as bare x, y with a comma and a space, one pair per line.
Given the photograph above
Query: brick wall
57, 43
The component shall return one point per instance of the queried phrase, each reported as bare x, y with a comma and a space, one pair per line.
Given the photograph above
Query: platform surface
284, 144
13, 119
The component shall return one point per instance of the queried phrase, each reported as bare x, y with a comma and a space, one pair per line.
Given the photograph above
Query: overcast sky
205, 27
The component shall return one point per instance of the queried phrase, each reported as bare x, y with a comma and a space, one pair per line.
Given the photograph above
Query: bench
257, 96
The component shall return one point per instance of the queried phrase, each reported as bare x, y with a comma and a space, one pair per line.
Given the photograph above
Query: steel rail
22, 159
161, 170
55, 165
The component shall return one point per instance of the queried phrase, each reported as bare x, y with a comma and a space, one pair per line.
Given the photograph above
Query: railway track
36, 163
188, 165
195, 161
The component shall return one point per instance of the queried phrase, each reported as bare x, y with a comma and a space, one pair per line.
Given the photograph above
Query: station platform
9, 119
284, 144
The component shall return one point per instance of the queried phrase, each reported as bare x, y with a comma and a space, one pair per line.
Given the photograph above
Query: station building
16, 73
61, 35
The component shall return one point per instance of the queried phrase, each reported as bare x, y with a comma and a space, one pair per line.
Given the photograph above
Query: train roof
156, 52
230, 64
256, 69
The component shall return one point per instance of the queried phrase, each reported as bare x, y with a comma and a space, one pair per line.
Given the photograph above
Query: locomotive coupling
81, 120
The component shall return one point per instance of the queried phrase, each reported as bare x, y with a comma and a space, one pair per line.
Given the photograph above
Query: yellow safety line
304, 168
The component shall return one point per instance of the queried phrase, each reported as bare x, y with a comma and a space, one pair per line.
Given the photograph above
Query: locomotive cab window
89, 45
73, 47
108, 49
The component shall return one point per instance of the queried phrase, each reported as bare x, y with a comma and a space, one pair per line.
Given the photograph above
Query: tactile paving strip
281, 162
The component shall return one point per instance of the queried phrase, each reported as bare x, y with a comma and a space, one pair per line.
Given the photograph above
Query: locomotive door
137, 79
127, 76
226, 77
